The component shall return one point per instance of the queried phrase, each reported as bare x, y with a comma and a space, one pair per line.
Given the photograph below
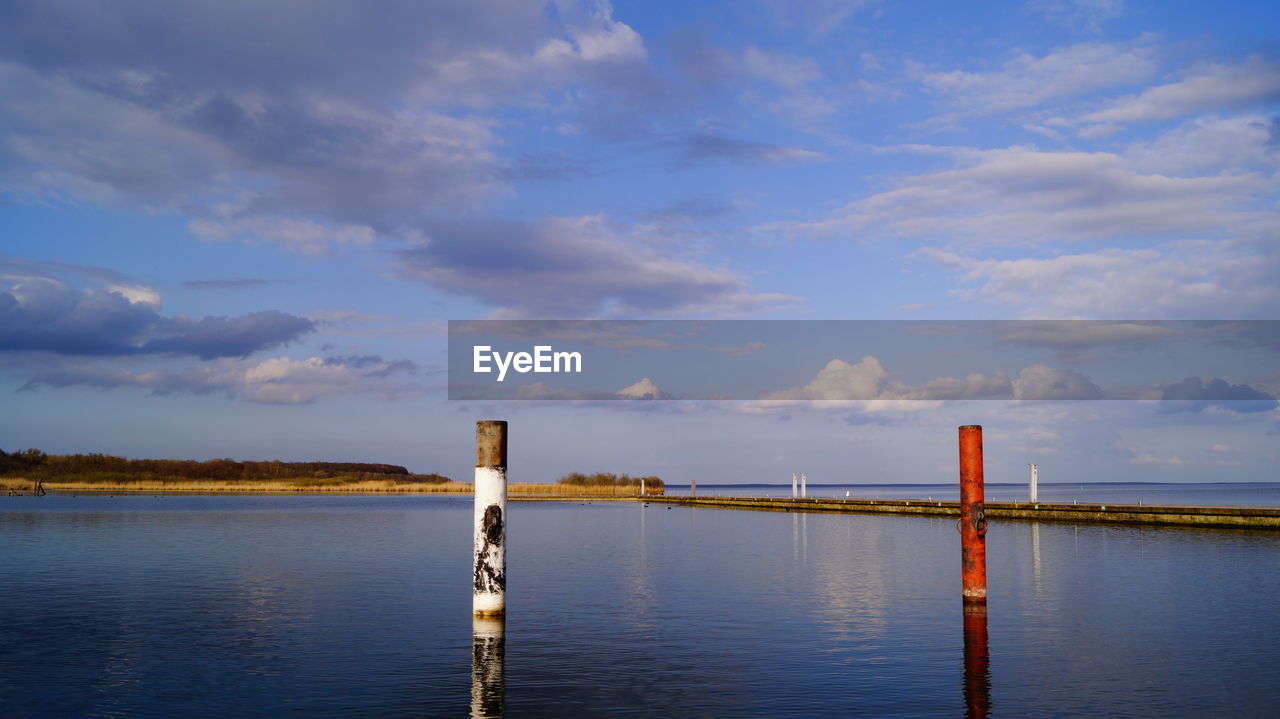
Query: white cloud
1085, 15
576, 267
1210, 88
1152, 458
839, 380
867, 380
1210, 144
1182, 280
643, 389
597, 37
1039, 382
276, 380
1026, 80
296, 234
1022, 194
137, 294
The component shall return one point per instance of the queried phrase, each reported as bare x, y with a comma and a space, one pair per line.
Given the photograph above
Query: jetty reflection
977, 669
488, 660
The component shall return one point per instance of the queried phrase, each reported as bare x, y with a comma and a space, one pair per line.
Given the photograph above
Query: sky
237, 229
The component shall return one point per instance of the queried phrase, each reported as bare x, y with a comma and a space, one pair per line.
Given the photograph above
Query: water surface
230, 605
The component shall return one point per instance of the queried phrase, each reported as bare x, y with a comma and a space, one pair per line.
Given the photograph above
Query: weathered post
1034, 494
693, 488
804, 485
973, 522
488, 665
795, 485
490, 536
642, 487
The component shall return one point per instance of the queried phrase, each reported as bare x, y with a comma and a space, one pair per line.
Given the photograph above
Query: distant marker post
489, 568
973, 522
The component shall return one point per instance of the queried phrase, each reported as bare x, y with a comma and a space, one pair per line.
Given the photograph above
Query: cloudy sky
236, 229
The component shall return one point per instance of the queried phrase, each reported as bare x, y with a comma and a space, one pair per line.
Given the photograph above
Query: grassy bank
331, 484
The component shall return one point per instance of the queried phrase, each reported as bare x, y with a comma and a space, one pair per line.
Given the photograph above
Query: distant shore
22, 485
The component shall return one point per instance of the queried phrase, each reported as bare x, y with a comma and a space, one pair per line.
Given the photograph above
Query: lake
329, 605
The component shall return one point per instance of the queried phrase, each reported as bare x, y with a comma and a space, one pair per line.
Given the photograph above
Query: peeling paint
489, 575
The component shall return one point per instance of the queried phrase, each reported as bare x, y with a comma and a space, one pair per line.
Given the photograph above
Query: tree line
34, 464
602, 479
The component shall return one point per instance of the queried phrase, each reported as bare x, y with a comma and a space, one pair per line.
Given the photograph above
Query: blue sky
237, 229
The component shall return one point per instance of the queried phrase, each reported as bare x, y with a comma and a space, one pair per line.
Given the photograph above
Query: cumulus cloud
867, 379
42, 311
642, 389
276, 380
840, 380
1196, 394
573, 267
595, 38
1040, 382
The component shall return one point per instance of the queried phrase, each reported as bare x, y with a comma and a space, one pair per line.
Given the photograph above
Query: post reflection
1035, 556
488, 660
977, 669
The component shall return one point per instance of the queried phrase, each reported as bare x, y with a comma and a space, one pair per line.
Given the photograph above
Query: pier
1168, 515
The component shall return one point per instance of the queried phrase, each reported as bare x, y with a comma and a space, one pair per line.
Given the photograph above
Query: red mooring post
973, 523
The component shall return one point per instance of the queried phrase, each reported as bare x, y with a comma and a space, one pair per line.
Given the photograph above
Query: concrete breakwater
1177, 515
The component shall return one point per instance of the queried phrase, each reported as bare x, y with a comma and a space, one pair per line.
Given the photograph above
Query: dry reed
17, 484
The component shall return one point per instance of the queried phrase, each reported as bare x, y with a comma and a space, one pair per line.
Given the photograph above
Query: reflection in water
800, 538
488, 660
1035, 557
851, 577
977, 670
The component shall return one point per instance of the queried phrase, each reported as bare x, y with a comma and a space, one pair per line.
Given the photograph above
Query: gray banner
1184, 363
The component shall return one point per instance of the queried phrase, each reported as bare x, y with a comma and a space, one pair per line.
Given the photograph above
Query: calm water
1255, 494
214, 606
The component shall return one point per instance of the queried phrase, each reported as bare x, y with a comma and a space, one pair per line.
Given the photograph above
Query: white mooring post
489, 569
693, 488
1034, 495
642, 488
804, 485
795, 486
